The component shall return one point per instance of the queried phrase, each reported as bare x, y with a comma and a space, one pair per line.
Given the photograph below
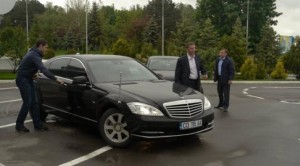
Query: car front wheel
113, 128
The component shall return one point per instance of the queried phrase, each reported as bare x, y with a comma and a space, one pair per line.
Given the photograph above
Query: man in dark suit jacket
224, 74
188, 68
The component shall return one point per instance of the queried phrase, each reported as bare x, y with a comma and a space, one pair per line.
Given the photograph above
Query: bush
49, 54
279, 72
147, 50
248, 70
261, 72
71, 51
121, 47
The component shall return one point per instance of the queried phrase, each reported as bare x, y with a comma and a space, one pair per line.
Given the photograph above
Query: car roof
90, 57
163, 57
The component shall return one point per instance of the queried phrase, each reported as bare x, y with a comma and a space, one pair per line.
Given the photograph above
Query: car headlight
144, 109
207, 104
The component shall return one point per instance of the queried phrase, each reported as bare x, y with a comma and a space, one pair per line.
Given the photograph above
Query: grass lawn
7, 76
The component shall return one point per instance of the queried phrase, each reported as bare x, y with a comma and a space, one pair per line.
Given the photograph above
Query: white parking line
289, 102
87, 157
245, 91
10, 101
2, 164
13, 124
255, 97
9, 88
282, 87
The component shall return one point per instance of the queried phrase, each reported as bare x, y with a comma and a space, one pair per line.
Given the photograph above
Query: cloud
288, 23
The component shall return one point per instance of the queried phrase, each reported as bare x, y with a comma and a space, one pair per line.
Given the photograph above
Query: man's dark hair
42, 42
225, 50
189, 44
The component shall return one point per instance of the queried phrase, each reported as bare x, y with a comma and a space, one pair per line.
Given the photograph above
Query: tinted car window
109, 71
163, 64
58, 67
75, 68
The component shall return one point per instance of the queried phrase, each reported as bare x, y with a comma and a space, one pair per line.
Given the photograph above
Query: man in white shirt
189, 67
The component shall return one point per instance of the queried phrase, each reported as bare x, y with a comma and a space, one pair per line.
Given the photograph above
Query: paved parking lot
261, 128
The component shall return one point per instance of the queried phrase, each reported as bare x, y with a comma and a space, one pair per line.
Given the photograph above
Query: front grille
184, 108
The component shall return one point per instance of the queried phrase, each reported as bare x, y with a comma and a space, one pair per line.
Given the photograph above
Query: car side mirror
80, 80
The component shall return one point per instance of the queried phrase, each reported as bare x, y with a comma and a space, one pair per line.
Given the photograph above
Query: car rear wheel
113, 128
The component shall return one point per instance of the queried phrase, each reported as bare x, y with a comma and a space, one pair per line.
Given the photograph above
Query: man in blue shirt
223, 74
29, 65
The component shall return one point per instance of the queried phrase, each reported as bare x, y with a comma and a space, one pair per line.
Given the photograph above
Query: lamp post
247, 29
27, 34
163, 28
86, 27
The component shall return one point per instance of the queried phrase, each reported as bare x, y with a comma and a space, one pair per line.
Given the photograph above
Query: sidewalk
211, 82
255, 82
7, 81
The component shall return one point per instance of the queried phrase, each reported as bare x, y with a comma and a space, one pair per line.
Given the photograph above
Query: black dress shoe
41, 128
22, 129
219, 106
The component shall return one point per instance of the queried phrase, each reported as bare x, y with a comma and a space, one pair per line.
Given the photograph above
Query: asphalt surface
261, 128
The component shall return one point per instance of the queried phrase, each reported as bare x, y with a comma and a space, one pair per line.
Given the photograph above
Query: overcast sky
288, 23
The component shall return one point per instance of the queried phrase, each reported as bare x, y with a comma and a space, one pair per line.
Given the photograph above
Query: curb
212, 82
7, 81
254, 82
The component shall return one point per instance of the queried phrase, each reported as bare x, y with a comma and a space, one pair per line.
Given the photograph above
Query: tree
291, 60
268, 48
171, 16
51, 25
184, 33
75, 19
135, 32
16, 16
237, 46
12, 43
208, 37
95, 28
248, 70
207, 42
110, 33
224, 14
279, 72
150, 33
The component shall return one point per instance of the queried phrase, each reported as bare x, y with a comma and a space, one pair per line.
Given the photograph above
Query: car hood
160, 91
167, 75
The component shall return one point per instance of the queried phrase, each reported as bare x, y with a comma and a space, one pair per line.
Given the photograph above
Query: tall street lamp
247, 31
163, 28
27, 34
86, 27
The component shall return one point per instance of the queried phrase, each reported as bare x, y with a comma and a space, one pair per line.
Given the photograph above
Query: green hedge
7, 75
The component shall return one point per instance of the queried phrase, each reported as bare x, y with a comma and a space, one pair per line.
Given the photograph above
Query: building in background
286, 42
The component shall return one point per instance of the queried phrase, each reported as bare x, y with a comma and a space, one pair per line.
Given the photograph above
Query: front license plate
190, 125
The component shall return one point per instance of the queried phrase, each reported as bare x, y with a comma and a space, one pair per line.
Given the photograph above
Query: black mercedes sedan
122, 98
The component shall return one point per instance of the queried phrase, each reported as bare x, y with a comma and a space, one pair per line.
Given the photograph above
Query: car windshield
163, 64
109, 70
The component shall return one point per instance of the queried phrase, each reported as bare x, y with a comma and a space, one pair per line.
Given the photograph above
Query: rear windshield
163, 64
